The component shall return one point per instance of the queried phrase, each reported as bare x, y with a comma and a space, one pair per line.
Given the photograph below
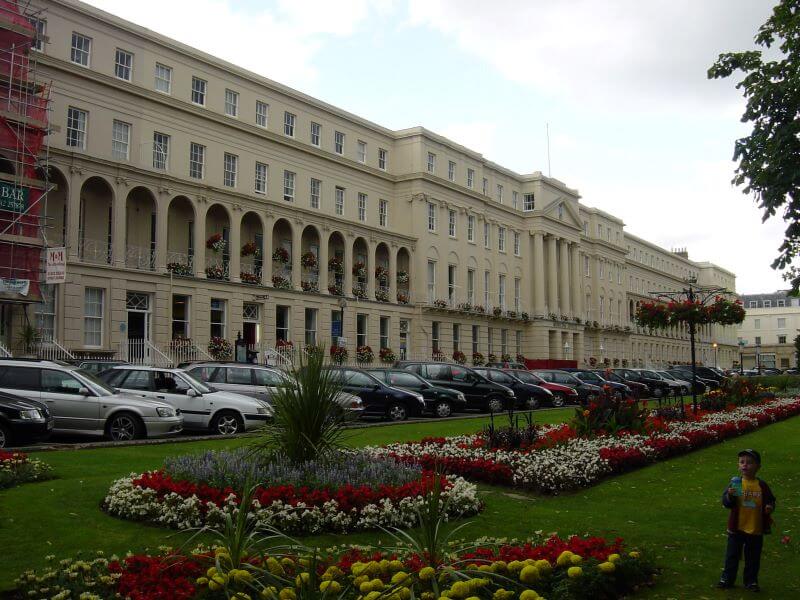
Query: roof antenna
547, 126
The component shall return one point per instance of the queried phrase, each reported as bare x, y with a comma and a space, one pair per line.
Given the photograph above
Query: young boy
751, 503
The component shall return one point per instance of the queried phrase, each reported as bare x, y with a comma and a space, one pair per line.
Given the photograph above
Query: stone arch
218, 232
94, 221
252, 249
55, 209
141, 209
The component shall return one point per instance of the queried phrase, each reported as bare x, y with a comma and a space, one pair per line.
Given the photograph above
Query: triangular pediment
569, 215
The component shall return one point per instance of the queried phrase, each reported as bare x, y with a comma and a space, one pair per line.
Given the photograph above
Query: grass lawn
672, 509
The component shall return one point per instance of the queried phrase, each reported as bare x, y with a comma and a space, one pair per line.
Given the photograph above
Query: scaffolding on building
24, 169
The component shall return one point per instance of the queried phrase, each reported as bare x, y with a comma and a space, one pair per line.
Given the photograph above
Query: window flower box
309, 286
179, 269
250, 278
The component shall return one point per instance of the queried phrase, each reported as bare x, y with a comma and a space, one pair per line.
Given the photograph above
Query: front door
138, 307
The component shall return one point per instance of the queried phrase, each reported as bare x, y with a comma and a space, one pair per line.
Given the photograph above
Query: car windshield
589, 376
665, 375
651, 374
98, 385
198, 385
527, 377
406, 379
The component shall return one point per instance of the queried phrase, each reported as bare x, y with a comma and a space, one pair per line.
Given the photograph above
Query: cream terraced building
180, 176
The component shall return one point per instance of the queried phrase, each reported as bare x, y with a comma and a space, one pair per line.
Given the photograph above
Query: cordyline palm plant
309, 422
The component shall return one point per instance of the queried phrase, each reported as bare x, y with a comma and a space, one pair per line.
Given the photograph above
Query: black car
685, 373
528, 395
380, 399
440, 401
479, 391
506, 365
560, 395
657, 386
587, 392
704, 372
699, 388
638, 389
617, 389
23, 420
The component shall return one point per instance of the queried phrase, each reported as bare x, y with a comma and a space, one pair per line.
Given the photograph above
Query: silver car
258, 381
203, 407
82, 404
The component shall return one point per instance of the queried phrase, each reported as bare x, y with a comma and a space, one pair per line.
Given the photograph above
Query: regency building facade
196, 199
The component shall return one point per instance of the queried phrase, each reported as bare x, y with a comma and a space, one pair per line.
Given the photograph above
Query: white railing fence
50, 349
97, 252
5, 352
142, 352
181, 351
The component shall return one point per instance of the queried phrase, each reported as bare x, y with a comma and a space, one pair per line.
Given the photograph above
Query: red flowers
9, 456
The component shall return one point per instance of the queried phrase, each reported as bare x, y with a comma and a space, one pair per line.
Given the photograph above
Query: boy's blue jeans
751, 544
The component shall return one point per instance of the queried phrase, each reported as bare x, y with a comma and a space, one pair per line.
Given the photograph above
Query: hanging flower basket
439, 303
335, 290
511, 314
338, 354
505, 357
308, 260
464, 307
336, 266
359, 269
592, 361
459, 357
364, 354
497, 311
250, 249
360, 292
521, 358
179, 269
280, 255
284, 345
438, 356
281, 283
381, 274
215, 272
402, 277
524, 316
386, 355
251, 278
309, 286
477, 359
402, 298
219, 348
382, 295
492, 358
479, 309
215, 243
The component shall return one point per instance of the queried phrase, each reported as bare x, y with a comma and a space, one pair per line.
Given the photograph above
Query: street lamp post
566, 350
342, 305
742, 344
602, 350
758, 358
715, 346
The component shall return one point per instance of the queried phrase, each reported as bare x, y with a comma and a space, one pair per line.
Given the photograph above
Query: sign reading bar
56, 265
13, 198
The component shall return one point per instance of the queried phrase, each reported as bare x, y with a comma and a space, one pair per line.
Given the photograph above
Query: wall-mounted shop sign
13, 198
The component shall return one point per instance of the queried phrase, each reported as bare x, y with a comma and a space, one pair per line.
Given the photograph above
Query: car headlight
264, 410
31, 413
510, 393
164, 411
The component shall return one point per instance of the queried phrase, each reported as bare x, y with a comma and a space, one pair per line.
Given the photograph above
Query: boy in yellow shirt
751, 503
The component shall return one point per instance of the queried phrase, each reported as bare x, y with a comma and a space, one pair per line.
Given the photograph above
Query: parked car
704, 372
528, 396
685, 373
668, 386
638, 389
23, 421
83, 404
561, 394
204, 407
506, 365
587, 392
98, 365
440, 401
616, 389
657, 387
700, 388
380, 399
479, 391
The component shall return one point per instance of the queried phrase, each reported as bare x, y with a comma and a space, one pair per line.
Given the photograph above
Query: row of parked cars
121, 401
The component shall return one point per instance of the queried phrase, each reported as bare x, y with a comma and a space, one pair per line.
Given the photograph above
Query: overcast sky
635, 125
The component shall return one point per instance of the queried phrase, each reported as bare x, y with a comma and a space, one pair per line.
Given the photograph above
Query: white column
393, 273
266, 258
120, 227
552, 276
348, 266
372, 247
235, 250
199, 260
538, 273
297, 252
564, 277
577, 276
322, 279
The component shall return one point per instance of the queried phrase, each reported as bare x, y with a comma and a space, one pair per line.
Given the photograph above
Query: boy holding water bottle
751, 503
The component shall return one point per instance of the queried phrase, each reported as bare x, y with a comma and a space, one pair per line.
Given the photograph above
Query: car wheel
123, 427
532, 403
559, 399
5, 437
442, 409
226, 423
397, 412
495, 405
658, 393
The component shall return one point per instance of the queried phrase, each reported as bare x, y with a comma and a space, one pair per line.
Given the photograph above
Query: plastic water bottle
736, 484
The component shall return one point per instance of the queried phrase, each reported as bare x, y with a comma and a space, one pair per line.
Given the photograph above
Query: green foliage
769, 156
609, 415
778, 382
308, 423
797, 349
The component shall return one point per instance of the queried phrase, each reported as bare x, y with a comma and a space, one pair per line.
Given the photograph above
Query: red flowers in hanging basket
659, 315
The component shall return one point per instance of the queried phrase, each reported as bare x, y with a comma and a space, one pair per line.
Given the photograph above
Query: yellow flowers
574, 572
529, 574
612, 558
564, 559
607, 567
529, 595
287, 594
332, 587
634, 554
427, 573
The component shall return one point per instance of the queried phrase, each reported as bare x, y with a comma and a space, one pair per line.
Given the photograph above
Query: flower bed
355, 493
17, 468
559, 460
555, 568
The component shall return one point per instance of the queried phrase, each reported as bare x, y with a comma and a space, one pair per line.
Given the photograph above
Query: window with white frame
262, 113
475, 336
431, 217
561, 211
758, 340
753, 304
231, 103
431, 162
600, 231
339, 200
517, 293
197, 160
311, 326
230, 169
46, 313
470, 178
486, 234
780, 303
93, 317
602, 308
163, 79
262, 171
160, 150
471, 286
338, 142
501, 291
435, 337
619, 274
362, 207
316, 132
516, 243
431, 281
451, 223
120, 140
76, 127
503, 342
451, 170
586, 231
501, 239
361, 329
217, 318
123, 64
288, 186
518, 341
383, 212
282, 322
767, 303
316, 190
610, 273
199, 87
361, 151
41, 32
485, 186
180, 317
527, 202
288, 123
600, 268
499, 193
382, 156
81, 50
470, 228
781, 339
515, 199
781, 323
486, 291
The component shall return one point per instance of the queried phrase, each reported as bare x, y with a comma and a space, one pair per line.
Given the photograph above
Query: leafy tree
769, 158
797, 350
